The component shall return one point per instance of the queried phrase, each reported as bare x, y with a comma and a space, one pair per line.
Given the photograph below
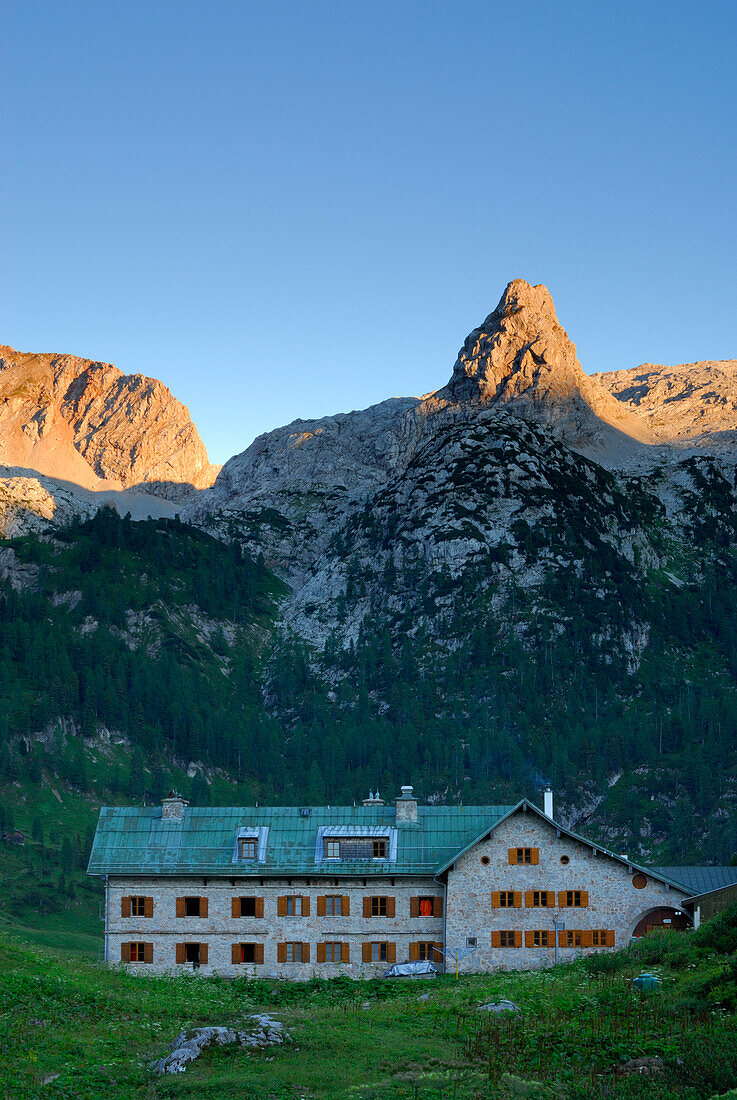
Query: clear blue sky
288, 209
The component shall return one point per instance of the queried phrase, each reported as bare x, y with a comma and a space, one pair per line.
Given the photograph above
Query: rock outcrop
86, 422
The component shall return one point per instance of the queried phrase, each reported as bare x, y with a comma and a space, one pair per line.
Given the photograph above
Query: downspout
445, 918
107, 916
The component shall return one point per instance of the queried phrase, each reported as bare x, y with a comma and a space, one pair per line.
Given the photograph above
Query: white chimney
406, 806
548, 801
172, 807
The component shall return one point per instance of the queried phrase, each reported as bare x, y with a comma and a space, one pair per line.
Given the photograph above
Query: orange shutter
180, 909
321, 952
495, 899
203, 953
345, 906
321, 913
180, 956
258, 954
148, 907
610, 938
305, 907
529, 939
345, 952
550, 899
281, 950
438, 950
125, 907
235, 955
587, 939
390, 907
414, 952
496, 939
562, 939
584, 897
535, 855
512, 855
528, 898
562, 899
259, 908
125, 952
148, 952
203, 907
366, 951
305, 952
414, 907
437, 907
391, 952
517, 939
281, 911
517, 899
235, 908
367, 907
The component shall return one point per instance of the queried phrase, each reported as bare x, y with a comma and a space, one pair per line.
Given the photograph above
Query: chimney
373, 800
172, 808
548, 801
406, 806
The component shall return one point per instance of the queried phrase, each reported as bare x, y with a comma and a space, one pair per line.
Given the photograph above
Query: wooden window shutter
366, 952
148, 952
345, 908
125, 952
414, 952
305, 952
495, 899
584, 897
148, 907
562, 939
609, 938
321, 913
125, 907
438, 952
437, 907
281, 911
321, 952
517, 899
235, 956
305, 907
180, 956
587, 939
345, 952
258, 954
203, 907
235, 906
496, 939
562, 899
281, 949
367, 907
529, 939
550, 899
414, 907
391, 952
528, 898
512, 855
180, 909
517, 939
259, 908
203, 953
390, 907
535, 855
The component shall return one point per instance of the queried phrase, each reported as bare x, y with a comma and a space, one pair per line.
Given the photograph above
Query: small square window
138, 952
425, 950
472, 941
294, 952
192, 907
333, 952
506, 899
378, 907
248, 952
138, 907
379, 952
506, 939
332, 849
248, 907
541, 938
247, 848
379, 849
294, 906
426, 907
333, 905
573, 899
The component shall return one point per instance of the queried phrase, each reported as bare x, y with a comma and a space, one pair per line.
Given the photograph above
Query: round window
485, 861
565, 859
639, 882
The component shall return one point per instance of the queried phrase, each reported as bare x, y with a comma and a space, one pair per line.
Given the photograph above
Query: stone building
297, 891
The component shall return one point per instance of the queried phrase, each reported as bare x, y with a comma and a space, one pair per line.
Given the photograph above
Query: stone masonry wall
614, 903
220, 930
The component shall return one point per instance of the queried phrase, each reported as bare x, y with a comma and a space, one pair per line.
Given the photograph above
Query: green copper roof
131, 841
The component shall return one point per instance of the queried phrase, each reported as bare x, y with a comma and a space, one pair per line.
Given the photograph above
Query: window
247, 952
295, 953
138, 909
247, 848
471, 941
333, 952
524, 855
506, 939
137, 952
249, 907
639, 881
426, 907
506, 899
332, 849
573, 899
565, 860
294, 909
333, 905
136, 906
378, 907
425, 950
602, 938
379, 952
541, 938
294, 905
192, 907
485, 861
379, 849
194, 953
537, 899
572, 938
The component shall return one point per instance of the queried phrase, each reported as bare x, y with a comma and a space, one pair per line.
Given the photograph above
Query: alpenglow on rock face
86, 422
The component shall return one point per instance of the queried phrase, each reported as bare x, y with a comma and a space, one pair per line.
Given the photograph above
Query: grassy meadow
72, 1028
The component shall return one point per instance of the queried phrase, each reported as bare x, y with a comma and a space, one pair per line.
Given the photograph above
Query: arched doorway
661, 920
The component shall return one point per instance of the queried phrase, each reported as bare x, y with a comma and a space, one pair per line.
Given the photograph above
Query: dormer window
247, 848
351, 843
332, 849
379, 847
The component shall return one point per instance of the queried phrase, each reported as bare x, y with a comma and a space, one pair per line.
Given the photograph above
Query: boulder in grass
500, 1006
